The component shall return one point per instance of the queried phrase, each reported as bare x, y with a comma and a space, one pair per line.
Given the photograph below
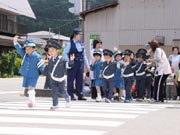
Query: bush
9, 65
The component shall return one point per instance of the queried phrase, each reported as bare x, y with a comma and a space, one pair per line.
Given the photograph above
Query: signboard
92, 37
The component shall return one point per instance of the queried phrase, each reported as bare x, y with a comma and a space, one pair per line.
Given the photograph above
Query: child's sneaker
31, 104
98, 99
107, 100
53, 108
68, 102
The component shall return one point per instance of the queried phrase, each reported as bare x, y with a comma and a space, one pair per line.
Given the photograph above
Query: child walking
57, 68
96, 67
31, 65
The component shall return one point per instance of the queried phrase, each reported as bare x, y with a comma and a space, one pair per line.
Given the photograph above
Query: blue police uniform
97, 68
31, 65
128, 75
57, 68
76, 72
140, 74
108, 71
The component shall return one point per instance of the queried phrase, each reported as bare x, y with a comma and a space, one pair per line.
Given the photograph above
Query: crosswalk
83, 118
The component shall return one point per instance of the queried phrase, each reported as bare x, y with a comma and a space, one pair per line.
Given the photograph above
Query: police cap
128, 52
29, 43
118, 52
52, 43
97, 52
107, 52
77, 31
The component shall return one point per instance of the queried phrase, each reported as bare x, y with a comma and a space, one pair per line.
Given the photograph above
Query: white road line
45, 131
22, 107
99, 123
70, 114
9, 92
40, 105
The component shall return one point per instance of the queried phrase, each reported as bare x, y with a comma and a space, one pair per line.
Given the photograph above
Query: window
3, 22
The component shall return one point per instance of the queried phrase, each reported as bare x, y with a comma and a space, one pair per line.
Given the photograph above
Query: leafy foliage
54, 14
9, 64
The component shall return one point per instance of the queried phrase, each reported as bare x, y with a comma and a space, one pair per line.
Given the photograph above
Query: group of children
119, 72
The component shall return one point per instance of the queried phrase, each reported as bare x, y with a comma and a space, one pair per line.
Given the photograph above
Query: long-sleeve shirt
31, 64
163, 66
79, 47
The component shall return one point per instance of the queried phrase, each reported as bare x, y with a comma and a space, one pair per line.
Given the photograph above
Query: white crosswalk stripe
87, 118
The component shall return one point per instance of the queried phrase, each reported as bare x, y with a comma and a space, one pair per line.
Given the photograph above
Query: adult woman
174, 60
163, 69
76, 47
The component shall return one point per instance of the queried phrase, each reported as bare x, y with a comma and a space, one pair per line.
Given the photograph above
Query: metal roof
17, 7
107, 5
47, 34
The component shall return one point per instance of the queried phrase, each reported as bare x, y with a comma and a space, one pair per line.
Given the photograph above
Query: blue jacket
97, 68
31, 65
118, 72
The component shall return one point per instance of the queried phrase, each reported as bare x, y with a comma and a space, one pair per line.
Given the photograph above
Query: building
45, 35
9, 10
132, 23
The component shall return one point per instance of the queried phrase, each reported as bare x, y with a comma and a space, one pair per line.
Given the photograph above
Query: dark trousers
148, 86
58, 88
127, 85
108, 85
159, 88
140, 88
178, 89
75, 73
47, 84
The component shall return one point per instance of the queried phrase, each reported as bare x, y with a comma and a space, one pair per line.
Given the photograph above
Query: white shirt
163, 66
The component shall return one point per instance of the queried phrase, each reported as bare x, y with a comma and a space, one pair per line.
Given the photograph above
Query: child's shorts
29, 82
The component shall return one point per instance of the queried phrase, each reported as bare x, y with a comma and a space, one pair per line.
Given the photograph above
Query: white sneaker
53, 108
31, 104
98, 99
68, 102
107, 100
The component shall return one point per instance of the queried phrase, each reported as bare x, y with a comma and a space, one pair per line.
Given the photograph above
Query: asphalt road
83, 118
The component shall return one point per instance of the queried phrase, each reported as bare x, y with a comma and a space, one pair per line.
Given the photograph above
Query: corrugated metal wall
135, 22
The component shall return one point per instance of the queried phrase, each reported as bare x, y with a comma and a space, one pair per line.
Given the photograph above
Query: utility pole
49, 33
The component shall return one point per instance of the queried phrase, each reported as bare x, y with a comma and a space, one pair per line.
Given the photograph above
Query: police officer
57, 68
128, 74
32, 64
140, 74
76, 47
